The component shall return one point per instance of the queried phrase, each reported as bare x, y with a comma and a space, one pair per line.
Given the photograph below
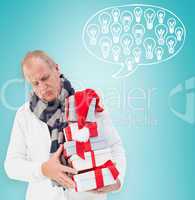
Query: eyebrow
44, 77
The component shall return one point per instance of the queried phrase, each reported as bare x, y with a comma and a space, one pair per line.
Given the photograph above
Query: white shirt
29, 147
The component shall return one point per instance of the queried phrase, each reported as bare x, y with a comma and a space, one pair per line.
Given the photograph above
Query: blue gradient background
161, 161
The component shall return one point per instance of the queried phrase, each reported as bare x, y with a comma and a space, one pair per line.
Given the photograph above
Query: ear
57, 67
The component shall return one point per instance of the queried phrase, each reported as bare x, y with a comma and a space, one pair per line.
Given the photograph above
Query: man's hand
108, 188
54, 170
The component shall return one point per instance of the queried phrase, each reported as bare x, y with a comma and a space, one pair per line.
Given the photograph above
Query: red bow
99, 176
82, 147
98, 173
82, 102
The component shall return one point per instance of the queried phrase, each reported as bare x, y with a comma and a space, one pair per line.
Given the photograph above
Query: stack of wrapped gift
85, 149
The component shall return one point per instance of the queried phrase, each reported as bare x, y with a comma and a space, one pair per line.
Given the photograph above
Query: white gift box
91, 111
92, 159
71, 111
72, 132
87, 181
96, 143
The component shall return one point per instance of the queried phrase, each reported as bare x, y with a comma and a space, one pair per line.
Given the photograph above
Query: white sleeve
115, 143
17, 164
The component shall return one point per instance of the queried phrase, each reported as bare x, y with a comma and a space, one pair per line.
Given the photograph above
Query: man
32, 154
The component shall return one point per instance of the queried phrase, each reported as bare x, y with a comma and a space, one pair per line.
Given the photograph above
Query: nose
42, 87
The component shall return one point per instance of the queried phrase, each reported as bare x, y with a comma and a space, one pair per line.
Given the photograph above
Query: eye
35, 83
45, 78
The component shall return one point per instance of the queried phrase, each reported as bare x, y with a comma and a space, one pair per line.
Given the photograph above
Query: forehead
35, 68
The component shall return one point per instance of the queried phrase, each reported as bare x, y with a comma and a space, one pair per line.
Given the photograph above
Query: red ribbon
92, 126
76, 189
99, 176
82, 147
65, 153
93, 159
111, 166
98, 173
82, 102
68, 133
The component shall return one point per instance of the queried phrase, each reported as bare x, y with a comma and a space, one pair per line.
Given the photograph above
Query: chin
49, 98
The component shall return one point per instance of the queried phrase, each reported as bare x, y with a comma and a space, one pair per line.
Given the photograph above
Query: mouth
47, 93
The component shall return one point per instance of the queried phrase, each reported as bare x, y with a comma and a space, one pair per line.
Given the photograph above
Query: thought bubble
133, 35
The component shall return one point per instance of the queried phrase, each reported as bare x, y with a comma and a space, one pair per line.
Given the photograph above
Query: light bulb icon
138, 14
137, 54
116, 30
105, 46
116, 51
138, 31
126, 43
93, 33
171, 42
129, 62
179, 33
126, 19
115, 14
149, 15
171, 24
161, 31
161, 16
149, 45
159, 53
104, 20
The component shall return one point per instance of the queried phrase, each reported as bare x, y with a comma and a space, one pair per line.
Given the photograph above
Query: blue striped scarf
53, 114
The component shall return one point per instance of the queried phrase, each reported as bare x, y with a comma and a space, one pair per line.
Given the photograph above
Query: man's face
44, 79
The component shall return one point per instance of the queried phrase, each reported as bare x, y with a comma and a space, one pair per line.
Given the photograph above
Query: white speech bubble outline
117, 74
